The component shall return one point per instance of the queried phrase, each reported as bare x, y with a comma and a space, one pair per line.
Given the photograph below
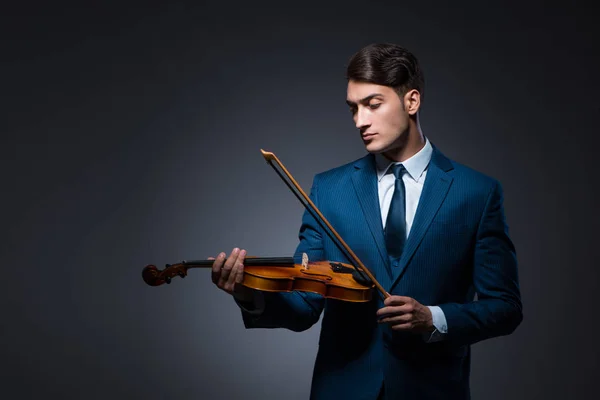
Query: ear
412, 101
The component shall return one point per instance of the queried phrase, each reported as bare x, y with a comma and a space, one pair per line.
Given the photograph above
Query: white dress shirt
416, 171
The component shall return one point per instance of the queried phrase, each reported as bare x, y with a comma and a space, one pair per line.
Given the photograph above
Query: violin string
266, 261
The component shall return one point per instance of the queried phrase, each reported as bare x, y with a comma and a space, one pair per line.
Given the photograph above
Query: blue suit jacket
458, 247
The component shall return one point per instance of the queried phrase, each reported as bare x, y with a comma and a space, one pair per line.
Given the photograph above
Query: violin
280, 274
330, 279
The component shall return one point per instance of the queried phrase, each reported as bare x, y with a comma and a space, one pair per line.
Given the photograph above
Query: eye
374, 106
352, 110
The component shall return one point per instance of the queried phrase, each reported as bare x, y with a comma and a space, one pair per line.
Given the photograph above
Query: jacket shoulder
468, 179
474, 181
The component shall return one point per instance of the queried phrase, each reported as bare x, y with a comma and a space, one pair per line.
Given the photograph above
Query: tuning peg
168, 279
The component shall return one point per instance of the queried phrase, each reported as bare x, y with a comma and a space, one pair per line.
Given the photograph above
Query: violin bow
291, 183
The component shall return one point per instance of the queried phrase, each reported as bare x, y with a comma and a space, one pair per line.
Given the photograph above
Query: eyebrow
364, 99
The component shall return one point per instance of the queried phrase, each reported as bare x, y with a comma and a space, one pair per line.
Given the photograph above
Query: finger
397, 300
216, 267
397, 319
226, 270
218, 263
241, 256
385, 311
394, 310
235, 271
240, 275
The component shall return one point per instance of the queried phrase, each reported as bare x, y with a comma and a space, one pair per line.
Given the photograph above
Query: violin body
317, 277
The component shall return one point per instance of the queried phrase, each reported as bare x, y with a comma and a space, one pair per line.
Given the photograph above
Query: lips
368, 136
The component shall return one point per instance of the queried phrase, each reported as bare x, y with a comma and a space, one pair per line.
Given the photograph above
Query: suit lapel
364, 180
435, 189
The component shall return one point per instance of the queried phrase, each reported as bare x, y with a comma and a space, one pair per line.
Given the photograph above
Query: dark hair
388, 65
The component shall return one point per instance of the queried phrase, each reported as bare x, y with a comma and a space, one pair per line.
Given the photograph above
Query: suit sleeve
498, 309
296, 311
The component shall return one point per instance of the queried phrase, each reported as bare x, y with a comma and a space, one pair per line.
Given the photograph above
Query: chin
375, 148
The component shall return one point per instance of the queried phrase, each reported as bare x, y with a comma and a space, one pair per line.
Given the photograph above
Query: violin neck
249, 261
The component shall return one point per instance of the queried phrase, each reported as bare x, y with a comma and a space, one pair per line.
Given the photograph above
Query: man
431, 231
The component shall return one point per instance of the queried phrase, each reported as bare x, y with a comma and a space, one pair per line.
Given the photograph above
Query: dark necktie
395, 226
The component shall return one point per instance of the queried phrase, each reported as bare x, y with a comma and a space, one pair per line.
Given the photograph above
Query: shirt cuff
439, 322
254, 307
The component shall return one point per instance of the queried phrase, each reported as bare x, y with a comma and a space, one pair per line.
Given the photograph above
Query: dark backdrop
131, 135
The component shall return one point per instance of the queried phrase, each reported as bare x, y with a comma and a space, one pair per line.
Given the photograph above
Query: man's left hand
406, 314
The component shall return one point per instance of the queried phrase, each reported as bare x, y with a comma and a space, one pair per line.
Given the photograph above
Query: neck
413, 142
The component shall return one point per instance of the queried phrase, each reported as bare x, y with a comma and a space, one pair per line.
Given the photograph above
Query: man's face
379, 115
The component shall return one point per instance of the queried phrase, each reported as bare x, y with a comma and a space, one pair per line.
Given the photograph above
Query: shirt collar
414, 165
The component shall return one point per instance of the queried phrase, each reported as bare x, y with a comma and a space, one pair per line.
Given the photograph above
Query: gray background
131, 136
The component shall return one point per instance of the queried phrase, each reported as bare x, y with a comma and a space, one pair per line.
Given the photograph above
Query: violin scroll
155, 277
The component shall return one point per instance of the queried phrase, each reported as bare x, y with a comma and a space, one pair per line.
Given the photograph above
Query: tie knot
398, 170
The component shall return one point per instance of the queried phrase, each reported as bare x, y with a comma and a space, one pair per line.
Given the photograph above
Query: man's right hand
228, 274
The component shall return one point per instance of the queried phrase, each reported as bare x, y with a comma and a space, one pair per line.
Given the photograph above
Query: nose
361, 119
